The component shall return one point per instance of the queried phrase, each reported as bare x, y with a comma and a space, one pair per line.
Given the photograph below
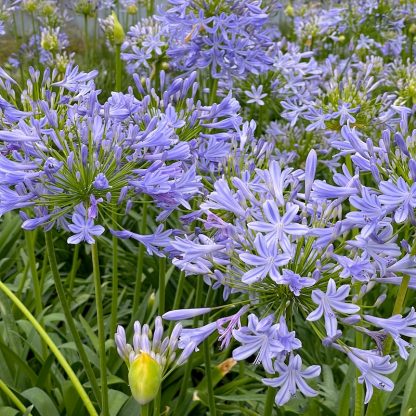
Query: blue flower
267, 262
83, 227
258, 337
294, 281
395, 326
333, 299
101, 182
291, 378
256, 95
399, 198
75, 80
277, 227
372, 367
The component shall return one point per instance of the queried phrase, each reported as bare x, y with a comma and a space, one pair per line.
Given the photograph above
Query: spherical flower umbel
81, 155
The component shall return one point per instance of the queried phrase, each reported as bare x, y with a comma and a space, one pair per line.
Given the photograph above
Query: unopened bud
145, 377
118, 31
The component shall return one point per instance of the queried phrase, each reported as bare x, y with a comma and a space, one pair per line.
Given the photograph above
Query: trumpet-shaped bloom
279, 227
395, 326
266, 263
260, 336
332, 300
372, 367
291, 379
83, 227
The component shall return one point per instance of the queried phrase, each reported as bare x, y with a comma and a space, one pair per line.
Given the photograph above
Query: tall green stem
398, 308
118, 68
30, 241
157, 401
207, 360
68, 315
359, 388
178, 297
86, 35
213, 91
162, 285
140, 259
72, 273
188, 367
100, 324
9, 393
54, 349
144, 410
114, 284
268, 405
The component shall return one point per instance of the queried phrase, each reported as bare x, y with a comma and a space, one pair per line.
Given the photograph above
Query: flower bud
118, 31
145, 377
290, 10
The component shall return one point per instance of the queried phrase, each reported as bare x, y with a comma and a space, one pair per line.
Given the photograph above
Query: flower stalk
101, 333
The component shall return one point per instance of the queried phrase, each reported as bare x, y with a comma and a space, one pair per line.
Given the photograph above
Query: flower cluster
229, 38
82, 159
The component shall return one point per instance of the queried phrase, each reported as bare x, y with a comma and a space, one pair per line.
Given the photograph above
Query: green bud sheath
145, 377
118, 31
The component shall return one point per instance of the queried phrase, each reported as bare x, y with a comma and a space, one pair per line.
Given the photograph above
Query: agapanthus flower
396, 326
230, 39
149, 358
266, 262
83, 227
329, 302
291, 378
372, 367
106, 157
258, 337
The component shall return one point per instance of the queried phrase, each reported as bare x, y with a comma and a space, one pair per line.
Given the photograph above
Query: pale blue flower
83, 227
395, 326
278, 227
258, 337
267, 261
332, 300
372, 367
291, 378
256, 95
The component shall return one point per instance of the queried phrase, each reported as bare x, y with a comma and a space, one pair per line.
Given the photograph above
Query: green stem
162, 283
30, 241
86, 34
114, 292
118, 68
72, 273
178, 297
359, 388
207, 360
213, 91
54, 349
9, 393
100, 324
68, 315
144, 410
397, 309
156, 404
268, 405
140, 259
188, 367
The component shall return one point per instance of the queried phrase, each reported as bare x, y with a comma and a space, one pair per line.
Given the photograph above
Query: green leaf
8, 411
116, 400
42, 402
130, 408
